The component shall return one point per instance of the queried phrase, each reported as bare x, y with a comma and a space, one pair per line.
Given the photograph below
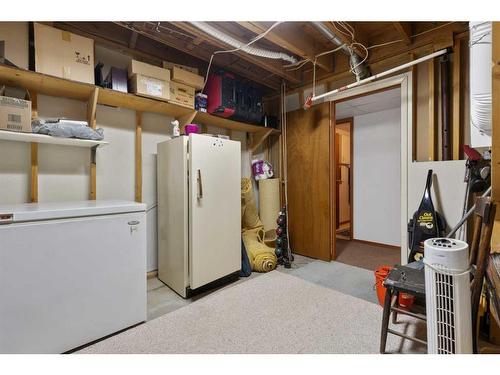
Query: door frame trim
405, 82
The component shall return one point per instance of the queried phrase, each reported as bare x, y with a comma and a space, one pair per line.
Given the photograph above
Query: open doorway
343, 180
367, 167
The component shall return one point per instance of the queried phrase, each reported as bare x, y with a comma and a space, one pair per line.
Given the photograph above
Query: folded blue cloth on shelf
67, 129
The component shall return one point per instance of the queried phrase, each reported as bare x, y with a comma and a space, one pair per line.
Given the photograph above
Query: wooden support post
414, 107
258, 138
92, 108
91, 118
34, 173
34, 152
495, 139
432, 111
444, 77
457, 103
138, 157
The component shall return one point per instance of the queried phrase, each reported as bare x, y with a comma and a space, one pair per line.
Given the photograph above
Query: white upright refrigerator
199, 211
70, 273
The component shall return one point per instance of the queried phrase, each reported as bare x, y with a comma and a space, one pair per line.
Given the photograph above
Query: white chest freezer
70, 273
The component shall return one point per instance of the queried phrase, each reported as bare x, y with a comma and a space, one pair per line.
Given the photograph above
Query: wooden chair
493, 297
410, 278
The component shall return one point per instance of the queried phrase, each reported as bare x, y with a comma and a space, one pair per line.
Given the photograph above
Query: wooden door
308, 167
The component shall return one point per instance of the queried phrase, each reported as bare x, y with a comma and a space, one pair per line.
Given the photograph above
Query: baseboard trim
377, 244
152, 274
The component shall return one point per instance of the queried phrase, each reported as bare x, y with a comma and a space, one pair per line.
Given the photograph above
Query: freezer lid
63, 210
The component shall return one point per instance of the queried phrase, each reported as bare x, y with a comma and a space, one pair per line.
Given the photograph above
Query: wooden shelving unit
37, 83
42, 138
54, 86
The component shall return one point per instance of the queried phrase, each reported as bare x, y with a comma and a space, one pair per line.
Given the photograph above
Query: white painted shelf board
42, 138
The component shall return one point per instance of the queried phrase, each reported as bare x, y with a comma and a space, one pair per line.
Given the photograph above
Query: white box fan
448, 296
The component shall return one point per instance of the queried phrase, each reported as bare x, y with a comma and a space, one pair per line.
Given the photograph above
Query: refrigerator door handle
200, 185
6, 218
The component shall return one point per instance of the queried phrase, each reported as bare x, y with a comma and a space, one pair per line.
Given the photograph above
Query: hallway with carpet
367, 256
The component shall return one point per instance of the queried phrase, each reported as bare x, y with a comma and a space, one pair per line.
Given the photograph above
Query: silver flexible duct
360, 70
212, 31
320, 26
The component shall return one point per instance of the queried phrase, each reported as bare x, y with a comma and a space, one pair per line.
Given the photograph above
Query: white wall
376, 177
64, 171
448, 187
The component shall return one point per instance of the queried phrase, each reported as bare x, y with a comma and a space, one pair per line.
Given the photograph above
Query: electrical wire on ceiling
355, 60
303, 62
349, 31
411, 36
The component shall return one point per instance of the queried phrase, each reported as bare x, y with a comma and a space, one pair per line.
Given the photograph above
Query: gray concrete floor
162, 299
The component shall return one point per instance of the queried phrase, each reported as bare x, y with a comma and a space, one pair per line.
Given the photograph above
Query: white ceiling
362, 105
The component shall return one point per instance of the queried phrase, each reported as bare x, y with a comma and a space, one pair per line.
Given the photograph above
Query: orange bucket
405, 301
380, 275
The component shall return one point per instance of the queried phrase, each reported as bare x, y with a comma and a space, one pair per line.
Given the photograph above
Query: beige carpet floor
272, 313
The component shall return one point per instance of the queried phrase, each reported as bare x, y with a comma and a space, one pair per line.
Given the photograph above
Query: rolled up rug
262, 257
249, 215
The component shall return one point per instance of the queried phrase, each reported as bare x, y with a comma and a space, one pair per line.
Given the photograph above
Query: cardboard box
170, 65
187, 78
63, 54
15, 114
181, 94
150, 87
148, 70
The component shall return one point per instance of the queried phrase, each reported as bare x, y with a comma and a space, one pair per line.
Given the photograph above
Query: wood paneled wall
308, 167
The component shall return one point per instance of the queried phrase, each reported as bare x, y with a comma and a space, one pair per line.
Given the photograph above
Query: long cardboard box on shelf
150, 87
148, 70
182, 95
187, 78
63, 54
170, 65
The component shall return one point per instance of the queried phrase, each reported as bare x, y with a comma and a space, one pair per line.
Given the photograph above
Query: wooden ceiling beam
133, 39
205, 56
404, 29
272, 67
289, 37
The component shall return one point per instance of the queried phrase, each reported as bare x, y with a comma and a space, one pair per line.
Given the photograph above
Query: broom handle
467, 215
428, 184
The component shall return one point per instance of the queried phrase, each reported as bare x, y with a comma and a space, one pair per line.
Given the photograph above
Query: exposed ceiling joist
289, 37
404, 30
273, 67
201, 54
133, 39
